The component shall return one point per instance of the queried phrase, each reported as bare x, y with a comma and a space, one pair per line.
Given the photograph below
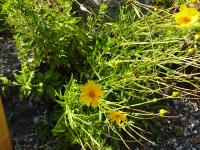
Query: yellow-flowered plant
117, 116
138, 59
90, 93
186, 16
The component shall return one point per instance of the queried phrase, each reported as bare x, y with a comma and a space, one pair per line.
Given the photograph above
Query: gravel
8, 59
183, 132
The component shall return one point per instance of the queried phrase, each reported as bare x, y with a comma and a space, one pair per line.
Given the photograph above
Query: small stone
180, 147
31, 140
197, 122
173, 140
184, 118
185, 133
36, 120
195, 131
185, 130
35, 146
192, 125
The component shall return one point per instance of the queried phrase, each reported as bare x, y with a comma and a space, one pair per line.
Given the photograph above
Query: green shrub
136, 61
49, 41
2, 16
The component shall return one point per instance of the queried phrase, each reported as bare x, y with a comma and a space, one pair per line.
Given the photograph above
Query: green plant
49, 40
138, 60
138, 63
2, 16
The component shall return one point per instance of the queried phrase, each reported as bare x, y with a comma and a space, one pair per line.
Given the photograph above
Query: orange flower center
118, 116
92, 94
186, 19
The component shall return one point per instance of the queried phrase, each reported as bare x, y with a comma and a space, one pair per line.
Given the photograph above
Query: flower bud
154, 100
176, 94
192, 51
197, 36
163, 112
40, 84
155, 9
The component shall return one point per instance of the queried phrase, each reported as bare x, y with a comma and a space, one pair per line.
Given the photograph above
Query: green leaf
5, 81
25, 91
50, 91
60, 126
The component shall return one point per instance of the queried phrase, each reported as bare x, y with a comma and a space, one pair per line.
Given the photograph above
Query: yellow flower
186, 16
193, 1
197, 36
162, 112
91, 93
117, 116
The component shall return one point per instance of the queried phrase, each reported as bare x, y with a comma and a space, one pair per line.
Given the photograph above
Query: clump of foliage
50, 43
107, 76
2, 16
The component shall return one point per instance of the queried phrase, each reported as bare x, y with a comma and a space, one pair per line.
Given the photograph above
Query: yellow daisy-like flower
186, 16
91, 93
117, 116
